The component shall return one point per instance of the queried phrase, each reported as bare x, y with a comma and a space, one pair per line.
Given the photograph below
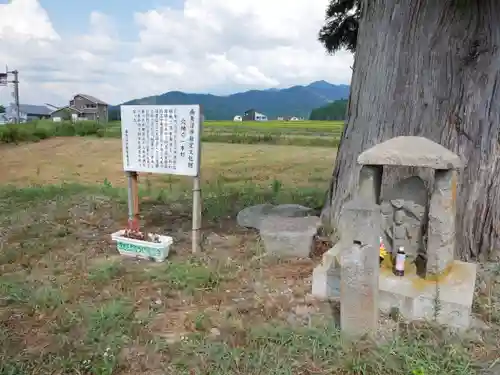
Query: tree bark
430, 68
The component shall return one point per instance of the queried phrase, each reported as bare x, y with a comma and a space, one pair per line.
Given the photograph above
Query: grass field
70, 305
298, 133
95, 160
303, 124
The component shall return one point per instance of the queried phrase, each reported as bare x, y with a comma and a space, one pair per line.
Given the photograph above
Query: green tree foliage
341, 25
335, 111
2, 109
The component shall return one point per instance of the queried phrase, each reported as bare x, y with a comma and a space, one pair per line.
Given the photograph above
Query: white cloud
103, 37
208, 44
25, 20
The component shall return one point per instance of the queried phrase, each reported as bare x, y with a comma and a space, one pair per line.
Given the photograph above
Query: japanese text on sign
161, 139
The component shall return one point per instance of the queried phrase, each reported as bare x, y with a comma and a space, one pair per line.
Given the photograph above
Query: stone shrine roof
411, 152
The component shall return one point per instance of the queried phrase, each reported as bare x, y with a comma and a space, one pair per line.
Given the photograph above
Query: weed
200, 322
281, 349
105, 272
189, 276
14, 291
47, 298
21, 293
107, 184
110, 324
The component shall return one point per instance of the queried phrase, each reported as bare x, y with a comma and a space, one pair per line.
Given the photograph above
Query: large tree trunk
430, 68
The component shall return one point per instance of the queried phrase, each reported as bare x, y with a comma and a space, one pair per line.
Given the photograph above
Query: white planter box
157, 251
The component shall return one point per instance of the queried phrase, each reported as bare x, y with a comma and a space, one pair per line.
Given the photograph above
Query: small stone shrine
420, 220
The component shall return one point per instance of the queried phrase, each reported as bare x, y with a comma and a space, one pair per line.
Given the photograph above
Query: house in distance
253, 115
82, 107
289, 118
27, 112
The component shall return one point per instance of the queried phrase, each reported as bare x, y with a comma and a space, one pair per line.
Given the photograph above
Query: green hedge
36, 131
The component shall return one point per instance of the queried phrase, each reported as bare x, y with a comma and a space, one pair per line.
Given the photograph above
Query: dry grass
61, 280
70, 305
91, 161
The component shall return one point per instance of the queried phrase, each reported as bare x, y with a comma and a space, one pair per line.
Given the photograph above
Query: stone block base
289, 236
447, 301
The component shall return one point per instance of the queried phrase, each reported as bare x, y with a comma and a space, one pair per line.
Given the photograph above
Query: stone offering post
359, 310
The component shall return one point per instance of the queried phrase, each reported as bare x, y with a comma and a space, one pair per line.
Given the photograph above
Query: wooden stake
196, 235
133, 201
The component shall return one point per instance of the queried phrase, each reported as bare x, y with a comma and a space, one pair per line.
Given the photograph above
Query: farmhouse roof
34, 109
66, 107
92, 99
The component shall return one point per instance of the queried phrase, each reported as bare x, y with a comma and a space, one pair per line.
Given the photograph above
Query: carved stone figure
400, 233
404, 216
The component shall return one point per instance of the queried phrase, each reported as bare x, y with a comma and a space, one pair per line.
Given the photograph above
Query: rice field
286, 133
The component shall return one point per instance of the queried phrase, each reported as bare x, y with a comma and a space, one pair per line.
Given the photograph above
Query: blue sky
118, 50
71, 16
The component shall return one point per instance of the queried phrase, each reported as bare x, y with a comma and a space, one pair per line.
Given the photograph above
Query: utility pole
4, 81
16, 95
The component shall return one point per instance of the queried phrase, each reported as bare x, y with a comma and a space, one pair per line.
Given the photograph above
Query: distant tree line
334, 111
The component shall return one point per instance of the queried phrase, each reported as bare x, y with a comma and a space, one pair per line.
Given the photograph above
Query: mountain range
293, 101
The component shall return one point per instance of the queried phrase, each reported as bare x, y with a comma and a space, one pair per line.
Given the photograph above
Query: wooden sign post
133, 201
162, 139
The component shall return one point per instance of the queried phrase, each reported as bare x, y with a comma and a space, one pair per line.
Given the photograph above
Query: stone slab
417, 299
411, 151
326, 283
289, 236
326, 276
290, 210
251, 217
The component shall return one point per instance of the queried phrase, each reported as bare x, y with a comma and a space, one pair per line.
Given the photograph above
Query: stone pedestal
441, 230
415, 298
447, 301
359, 279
